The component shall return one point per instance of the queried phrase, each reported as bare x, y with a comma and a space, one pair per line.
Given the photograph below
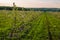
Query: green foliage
29, 25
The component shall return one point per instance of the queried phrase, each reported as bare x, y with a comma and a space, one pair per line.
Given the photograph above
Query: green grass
29, 25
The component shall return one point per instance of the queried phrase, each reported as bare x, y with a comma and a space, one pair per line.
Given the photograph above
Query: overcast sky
32, 3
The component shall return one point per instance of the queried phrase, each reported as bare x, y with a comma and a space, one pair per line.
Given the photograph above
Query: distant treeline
29, 9
11, 8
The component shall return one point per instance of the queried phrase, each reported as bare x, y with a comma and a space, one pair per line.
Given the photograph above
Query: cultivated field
29, 25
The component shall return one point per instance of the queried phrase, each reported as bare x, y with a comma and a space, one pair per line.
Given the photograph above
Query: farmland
29, 25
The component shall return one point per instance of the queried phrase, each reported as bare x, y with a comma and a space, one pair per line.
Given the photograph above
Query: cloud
32, 3
49, 5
